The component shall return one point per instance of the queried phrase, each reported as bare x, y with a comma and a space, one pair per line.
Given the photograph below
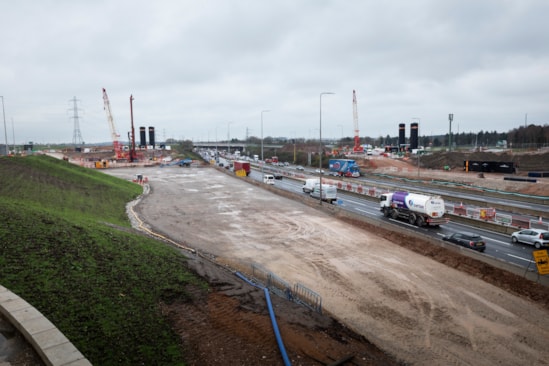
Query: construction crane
114, 134
357, 147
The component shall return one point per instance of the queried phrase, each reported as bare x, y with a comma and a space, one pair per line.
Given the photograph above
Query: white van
268, 179
329, 193
309, 184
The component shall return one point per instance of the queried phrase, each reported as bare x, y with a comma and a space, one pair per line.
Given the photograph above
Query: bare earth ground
401, 301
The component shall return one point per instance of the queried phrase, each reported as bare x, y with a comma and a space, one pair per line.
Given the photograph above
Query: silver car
535, 237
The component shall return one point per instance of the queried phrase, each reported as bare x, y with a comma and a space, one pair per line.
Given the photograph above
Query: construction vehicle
357, 148
103, 164
119, 154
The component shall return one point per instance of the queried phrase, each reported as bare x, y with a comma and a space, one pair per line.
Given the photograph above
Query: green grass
61, 251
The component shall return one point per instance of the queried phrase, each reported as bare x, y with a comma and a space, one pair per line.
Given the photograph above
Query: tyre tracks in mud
392, 302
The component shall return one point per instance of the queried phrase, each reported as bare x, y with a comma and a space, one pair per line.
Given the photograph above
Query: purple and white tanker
417, 209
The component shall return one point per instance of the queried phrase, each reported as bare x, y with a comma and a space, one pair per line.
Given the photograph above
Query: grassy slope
100, 286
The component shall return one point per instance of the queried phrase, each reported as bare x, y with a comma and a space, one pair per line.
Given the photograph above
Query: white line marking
522, 259
499, 241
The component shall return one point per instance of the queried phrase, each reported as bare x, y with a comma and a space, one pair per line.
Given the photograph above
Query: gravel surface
388, 288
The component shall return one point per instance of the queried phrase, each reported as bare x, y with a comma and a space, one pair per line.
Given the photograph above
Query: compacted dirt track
386, 303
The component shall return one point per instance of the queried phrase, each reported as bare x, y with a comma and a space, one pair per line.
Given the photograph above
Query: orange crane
114, 134
357, 147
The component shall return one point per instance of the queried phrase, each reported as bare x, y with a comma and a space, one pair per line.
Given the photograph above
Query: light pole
216, 143
450, 118
5, 129
263, 111
320, 145
294, 147
229, 137
417, 148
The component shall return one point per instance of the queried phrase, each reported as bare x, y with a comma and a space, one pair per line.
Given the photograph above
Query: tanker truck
418, 209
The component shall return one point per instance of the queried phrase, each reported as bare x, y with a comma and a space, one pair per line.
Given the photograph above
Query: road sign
542, 261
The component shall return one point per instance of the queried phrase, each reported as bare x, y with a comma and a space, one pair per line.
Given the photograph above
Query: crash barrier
530, 180
299, 293
490, 215
538, 174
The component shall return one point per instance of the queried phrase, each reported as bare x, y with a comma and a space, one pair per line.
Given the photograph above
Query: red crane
357, 147
114, 134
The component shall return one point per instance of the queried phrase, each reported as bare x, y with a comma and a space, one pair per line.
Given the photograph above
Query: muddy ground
387, 298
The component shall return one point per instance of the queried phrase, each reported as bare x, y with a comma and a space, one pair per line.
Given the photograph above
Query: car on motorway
278, 175
319, 171
536, 237
268, 179
468, 240
299, 167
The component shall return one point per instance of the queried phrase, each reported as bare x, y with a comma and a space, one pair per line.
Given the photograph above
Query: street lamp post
263, 111
320, 145
216, 153
5, 129
450, 118
229, 137
294, 147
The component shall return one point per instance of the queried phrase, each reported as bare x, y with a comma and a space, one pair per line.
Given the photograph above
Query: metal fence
298, 293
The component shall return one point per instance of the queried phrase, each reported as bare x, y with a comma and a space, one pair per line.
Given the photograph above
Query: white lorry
309, 184
417, 209
329, 193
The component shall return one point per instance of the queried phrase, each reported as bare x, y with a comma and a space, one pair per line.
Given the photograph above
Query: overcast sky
204, 69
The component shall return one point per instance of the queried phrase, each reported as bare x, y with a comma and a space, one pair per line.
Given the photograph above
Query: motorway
497, 245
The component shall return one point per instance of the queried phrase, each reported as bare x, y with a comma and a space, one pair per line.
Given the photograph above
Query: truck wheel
420, 222
412, 219
394, 214
386, 211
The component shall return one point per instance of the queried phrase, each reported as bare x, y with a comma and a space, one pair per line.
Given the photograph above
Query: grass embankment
99, 285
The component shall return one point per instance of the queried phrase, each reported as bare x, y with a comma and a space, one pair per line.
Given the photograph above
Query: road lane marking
499, 241
523, 259
366, 212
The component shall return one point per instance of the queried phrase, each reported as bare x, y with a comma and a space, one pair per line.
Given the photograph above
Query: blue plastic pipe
275, 328
273, 319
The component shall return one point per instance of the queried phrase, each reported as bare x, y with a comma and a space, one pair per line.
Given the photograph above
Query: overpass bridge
242, 146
